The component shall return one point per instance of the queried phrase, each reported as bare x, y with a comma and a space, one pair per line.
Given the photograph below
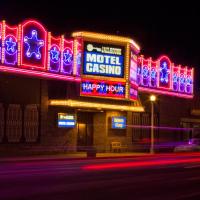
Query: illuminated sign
103, 60
100, 88
118, 122
133, 93
29, 49
66, 120
162, 76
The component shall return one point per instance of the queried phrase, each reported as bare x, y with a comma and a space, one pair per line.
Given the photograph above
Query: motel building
91, 89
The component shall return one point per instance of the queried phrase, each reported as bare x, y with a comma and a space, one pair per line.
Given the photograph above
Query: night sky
159, 27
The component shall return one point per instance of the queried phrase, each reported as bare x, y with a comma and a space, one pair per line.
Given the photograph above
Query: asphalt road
171, 177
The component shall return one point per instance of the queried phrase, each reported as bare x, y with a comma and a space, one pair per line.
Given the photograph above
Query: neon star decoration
153, 74
34, 45
164, 73
173, 80
55, 54
11, 45
68, 57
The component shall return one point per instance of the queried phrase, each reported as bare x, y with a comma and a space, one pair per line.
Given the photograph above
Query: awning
98, 106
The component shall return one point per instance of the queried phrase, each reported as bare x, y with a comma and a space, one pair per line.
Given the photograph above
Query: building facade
88, 90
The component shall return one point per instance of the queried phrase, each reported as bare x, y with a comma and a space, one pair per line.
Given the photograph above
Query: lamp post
152, 99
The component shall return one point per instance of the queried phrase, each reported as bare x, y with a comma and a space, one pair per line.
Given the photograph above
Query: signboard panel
103, 60
118, 122
99, 88
66, 120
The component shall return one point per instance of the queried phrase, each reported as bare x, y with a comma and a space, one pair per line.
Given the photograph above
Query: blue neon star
68, 57
54, 54
34, 45
145, 72
188, 81
10, 46
164, 72
182, 79
175, 78
153, 74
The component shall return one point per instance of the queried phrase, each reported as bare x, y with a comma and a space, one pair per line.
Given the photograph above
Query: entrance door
85, 130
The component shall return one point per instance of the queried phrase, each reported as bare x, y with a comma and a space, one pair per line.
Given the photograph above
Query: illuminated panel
10, 45
55, 54
146, 72
67, 57
66, 120
133, 68
33, 45
183, 72
79, 53
99, 88
175, 78
139, 70
153, 75
118, 123
189, 81
133, 93
164, 72
103, 60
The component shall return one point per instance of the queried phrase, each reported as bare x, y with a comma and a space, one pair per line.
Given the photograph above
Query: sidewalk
68, 156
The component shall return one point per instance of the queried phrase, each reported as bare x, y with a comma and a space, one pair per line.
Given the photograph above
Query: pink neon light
187, 96
44, 59
38, 73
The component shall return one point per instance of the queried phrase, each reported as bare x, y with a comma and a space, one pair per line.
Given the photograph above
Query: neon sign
10, 45
165, 72
162, 76
98, 88
67, 63
34, 45
103, 60
32, 51
54, 56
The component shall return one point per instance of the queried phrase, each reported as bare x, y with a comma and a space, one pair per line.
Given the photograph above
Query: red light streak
140, 164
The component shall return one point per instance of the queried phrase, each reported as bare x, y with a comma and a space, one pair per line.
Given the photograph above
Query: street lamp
152, 99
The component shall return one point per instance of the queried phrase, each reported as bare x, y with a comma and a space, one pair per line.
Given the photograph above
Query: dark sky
159, 27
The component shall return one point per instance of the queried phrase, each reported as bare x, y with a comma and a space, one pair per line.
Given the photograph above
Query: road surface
146, 177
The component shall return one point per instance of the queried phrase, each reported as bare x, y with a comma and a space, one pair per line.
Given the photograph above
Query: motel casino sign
105, 66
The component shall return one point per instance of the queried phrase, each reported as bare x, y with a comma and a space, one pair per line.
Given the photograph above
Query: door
85, 130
